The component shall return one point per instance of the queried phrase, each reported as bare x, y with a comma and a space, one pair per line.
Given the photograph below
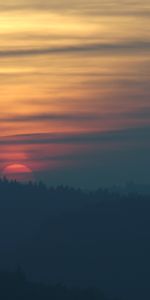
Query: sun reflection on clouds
61, 61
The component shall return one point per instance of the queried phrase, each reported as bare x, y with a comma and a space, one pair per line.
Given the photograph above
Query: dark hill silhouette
15, 286
99, 238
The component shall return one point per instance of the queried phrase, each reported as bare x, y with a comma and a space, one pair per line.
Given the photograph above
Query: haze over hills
99, 238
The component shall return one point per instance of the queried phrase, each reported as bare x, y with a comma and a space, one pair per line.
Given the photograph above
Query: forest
73, 244
15, 286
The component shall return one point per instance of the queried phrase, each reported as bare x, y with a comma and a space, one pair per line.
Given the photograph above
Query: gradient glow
75, 69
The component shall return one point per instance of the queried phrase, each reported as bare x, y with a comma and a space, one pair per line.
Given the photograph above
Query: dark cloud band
130, 134
100, 48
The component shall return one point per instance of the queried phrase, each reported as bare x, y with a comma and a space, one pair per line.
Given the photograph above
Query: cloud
124, 135
82, 7
101, 48
141, 113
50, 117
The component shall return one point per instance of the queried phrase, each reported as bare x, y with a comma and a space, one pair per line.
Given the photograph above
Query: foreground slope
80, 239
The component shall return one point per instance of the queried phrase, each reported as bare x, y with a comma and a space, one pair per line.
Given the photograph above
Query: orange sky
75, 67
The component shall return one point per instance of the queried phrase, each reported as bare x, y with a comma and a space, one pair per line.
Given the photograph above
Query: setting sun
18, 172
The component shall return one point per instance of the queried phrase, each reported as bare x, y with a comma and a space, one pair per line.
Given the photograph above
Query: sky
74, 90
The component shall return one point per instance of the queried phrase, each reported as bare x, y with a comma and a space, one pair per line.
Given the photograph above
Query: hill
99, 238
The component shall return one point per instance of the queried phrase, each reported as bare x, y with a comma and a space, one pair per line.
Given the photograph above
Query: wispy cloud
141, 113
101, 48
130, 134
78, 116
107, 7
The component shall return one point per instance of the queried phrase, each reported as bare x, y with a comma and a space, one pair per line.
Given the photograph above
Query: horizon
124, 189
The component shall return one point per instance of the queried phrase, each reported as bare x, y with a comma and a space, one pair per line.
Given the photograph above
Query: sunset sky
75, 90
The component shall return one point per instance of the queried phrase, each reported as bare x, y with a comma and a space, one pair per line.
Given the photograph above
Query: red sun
18, 172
